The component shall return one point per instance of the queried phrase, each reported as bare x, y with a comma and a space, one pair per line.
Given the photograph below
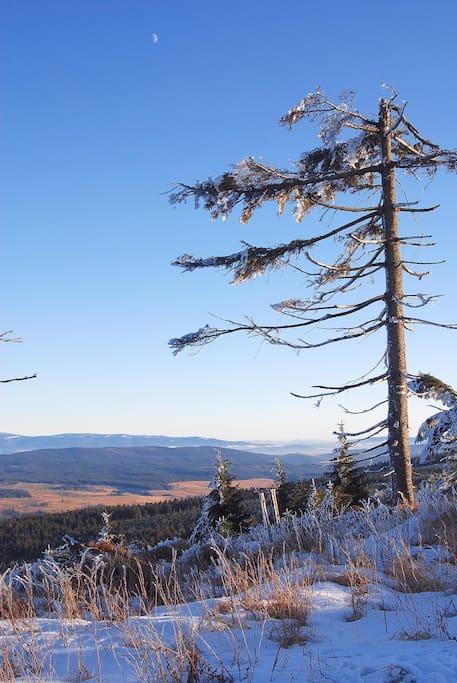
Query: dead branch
361, 412
18, 379
332, 391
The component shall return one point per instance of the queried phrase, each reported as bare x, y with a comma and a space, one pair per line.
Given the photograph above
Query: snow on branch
5, 337
318, 175
272, 333
298, 307
200, 337
431, 388
253, 261
332, 116
430, 162
439, 431
313, 181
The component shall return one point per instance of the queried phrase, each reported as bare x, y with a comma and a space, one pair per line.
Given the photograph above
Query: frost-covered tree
222, 509
328, 502
359, 154
313, 501
208, 519
204, 525
281, 476
108, 531
348, 478
439, 431
284, 488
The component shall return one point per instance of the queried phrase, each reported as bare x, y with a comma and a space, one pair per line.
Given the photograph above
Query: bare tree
5, 337
366, 163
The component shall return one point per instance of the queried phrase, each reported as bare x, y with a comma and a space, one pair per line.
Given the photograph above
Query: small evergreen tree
228, 514
328, 504
222, 508
107, 533
348, 479
298, 496
312, 502
292, 495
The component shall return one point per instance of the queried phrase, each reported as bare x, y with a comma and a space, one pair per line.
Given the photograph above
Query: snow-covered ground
372, 598
399, 637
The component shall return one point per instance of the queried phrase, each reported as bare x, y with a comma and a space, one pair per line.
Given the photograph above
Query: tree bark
397, 419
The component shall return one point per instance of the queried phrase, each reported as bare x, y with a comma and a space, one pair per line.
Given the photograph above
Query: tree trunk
397, 420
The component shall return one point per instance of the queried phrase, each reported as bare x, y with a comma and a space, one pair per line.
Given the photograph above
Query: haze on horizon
210, 437
99, 122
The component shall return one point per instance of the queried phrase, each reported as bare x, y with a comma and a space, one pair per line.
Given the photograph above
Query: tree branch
382, 424
18, 379
450, 326
345, 387
253, 260
424, 210
366, 410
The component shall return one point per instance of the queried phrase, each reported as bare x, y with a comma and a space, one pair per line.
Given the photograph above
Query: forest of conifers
24, 538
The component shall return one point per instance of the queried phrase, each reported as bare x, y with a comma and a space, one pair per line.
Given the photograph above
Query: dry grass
277, 596
225, 606
357, 576
287, 634
412, 576
285, 608
102, 595
442, 531
26, 661
155, 661
9, 669
13, 607
287, 604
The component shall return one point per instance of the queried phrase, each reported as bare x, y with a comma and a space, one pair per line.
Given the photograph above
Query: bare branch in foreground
18, 379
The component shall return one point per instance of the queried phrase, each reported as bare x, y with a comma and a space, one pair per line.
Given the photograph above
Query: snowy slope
381, 646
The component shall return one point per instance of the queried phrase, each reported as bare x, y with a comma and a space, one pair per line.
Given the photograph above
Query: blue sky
98, 122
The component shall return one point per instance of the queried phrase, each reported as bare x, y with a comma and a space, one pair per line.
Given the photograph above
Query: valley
44, 497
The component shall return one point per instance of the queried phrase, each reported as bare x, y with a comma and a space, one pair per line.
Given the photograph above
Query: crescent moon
155, 38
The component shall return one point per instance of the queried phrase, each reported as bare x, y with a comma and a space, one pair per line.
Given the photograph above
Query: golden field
53, 498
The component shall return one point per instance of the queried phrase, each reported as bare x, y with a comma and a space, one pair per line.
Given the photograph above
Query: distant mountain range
12, 443
133, 462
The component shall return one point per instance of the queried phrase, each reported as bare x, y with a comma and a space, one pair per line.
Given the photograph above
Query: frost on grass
321, 596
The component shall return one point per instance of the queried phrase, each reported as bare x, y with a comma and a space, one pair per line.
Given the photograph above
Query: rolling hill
141, 467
